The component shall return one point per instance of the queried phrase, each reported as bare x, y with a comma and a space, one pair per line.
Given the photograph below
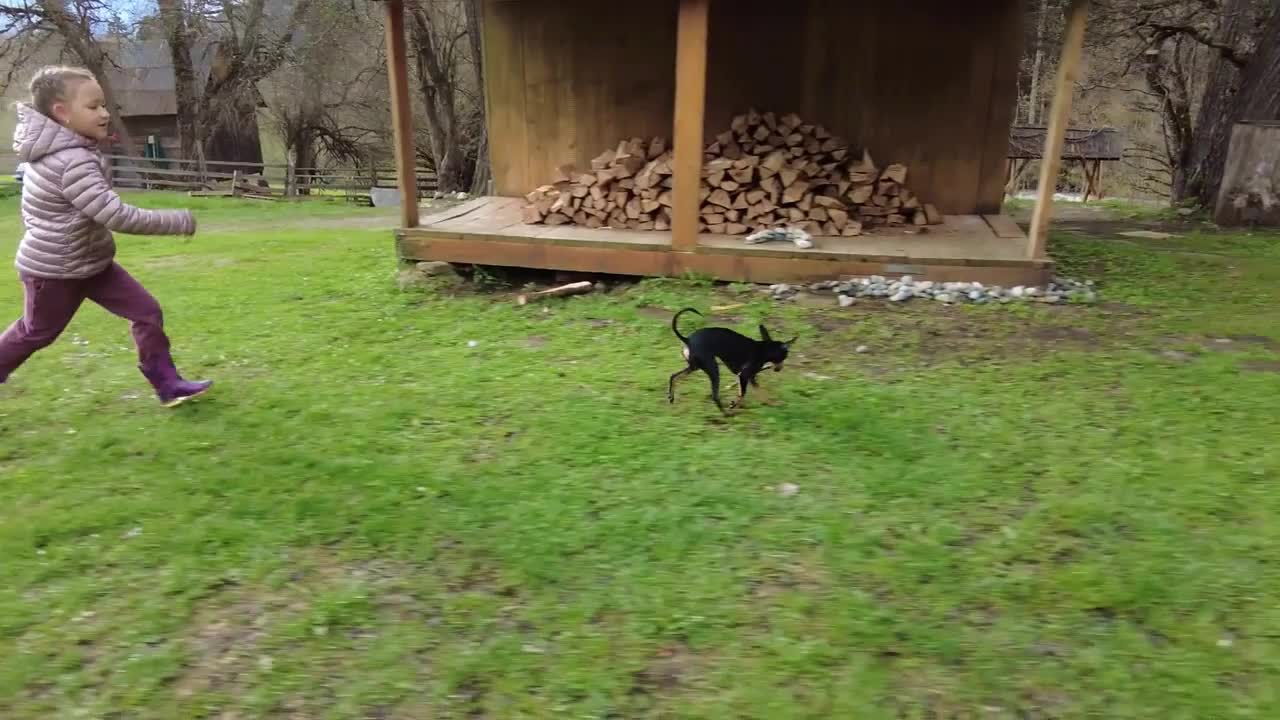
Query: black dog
744, 357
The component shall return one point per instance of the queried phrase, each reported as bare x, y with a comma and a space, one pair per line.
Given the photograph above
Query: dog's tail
676, 320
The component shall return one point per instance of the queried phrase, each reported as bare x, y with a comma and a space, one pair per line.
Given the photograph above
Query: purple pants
50, 305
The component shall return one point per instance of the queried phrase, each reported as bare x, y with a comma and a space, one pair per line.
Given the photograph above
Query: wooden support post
401, 113
1090, 168
690, 105
1059, 115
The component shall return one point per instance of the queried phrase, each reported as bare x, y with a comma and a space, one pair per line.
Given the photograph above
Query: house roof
143, 77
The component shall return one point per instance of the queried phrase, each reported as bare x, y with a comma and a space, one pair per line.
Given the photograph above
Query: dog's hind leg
671, 384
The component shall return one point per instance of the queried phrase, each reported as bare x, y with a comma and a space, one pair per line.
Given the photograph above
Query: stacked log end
765, 171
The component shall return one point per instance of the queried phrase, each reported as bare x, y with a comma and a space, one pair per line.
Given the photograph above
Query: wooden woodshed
929, 84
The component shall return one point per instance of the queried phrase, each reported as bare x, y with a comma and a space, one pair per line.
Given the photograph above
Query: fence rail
264, 180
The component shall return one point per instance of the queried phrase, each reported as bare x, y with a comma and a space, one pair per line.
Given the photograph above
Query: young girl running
67, 254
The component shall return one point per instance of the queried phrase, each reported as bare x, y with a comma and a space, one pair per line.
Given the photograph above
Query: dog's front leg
743, 378
764, 397
713, 373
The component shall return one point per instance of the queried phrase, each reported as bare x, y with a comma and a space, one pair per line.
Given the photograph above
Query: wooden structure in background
355, 184
1250, 190
1087, 147
929, 84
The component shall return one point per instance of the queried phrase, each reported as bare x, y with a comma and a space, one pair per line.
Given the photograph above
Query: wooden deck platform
489, 231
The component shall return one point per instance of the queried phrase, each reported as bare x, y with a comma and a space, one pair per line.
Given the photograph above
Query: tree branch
1228, 53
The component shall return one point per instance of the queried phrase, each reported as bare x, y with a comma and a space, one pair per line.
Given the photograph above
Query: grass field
438, 504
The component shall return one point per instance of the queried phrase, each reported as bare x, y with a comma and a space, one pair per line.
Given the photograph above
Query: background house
144, 81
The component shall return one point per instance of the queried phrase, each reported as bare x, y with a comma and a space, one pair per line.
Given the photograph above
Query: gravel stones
904, 289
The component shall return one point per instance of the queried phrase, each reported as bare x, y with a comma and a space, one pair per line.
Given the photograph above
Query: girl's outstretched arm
86, 187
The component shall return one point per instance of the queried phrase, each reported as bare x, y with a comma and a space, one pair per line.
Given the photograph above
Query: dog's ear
764, 333
787, 344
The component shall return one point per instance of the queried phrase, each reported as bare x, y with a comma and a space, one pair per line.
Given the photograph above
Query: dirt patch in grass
1261, 366
180, 262
224, 647
1074, 336
902, 338
656, 313
673, 667
1240, 343
235, 631
806, 574
1185, 349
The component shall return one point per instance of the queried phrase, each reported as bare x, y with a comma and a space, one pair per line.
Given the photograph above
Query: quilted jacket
68, 207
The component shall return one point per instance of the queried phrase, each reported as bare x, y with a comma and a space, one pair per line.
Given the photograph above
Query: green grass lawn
1009, 512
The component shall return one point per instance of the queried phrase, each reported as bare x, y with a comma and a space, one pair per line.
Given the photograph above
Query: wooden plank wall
568, 79
929, 83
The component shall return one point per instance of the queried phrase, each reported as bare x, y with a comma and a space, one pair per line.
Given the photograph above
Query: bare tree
1201, 66
74, 22
173, 18
15, 51
248, 47
325, 101
444, 57
1034, 101
483, 171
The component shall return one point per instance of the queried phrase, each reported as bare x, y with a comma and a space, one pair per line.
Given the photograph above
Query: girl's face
84, 110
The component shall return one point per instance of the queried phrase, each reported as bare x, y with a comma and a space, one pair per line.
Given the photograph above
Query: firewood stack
765, 171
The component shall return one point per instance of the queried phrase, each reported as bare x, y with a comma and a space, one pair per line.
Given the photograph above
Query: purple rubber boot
170, 387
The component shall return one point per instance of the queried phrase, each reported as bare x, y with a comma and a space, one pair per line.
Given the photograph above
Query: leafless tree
326, 101
444, 43
173, 19
249, 44
73, 21
1202, 66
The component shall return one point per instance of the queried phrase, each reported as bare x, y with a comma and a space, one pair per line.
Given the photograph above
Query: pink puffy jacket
68, 206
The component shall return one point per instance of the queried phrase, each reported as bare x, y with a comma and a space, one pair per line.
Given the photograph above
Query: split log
765, 169
577, 288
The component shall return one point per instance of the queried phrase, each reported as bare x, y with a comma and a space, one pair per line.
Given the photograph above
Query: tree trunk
1164, 72
1033, 97
483, 171
1213, 122
173, 16
1258, 98
304, 160
438, 100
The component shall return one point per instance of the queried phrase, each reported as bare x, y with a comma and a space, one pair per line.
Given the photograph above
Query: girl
67, 254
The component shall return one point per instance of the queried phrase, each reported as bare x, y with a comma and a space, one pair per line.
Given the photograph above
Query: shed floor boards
987, 246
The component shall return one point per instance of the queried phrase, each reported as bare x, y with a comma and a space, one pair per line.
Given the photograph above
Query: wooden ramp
489, 231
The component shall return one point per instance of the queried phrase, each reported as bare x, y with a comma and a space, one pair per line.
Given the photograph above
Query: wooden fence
265, 180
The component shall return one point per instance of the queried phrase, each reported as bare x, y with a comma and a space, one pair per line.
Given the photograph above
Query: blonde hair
51, 84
